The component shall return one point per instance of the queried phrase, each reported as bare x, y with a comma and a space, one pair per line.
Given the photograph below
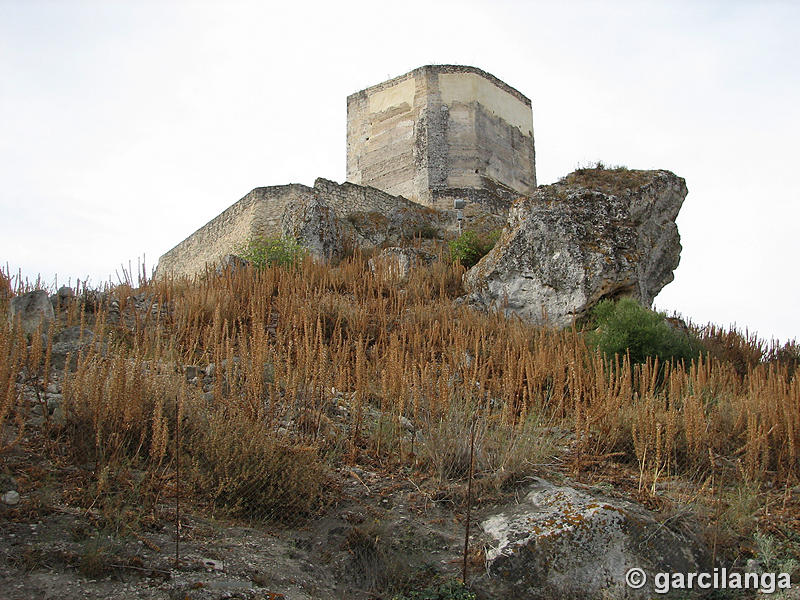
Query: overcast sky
125, 126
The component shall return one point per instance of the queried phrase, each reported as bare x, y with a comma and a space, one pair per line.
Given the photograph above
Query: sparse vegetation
470, 246
772, 555
610, 179
448, 590
626, 327
321, 366
272, 251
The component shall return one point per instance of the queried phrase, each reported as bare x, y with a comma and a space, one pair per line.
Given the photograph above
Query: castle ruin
442, 132
435, 134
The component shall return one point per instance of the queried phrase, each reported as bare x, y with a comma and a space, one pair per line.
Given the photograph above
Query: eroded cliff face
598, 233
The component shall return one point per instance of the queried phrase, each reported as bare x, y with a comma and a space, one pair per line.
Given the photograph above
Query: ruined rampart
259, 214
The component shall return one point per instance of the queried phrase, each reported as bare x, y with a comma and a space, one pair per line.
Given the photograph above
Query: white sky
125, 126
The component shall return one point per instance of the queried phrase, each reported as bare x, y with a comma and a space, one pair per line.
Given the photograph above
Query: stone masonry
442, 132
437, 133
260, 212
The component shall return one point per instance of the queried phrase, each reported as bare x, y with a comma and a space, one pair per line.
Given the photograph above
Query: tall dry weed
340, 361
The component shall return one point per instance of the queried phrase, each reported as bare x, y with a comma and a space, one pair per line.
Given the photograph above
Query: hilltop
321, 429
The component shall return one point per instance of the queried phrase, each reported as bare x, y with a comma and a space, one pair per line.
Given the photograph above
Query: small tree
626, 326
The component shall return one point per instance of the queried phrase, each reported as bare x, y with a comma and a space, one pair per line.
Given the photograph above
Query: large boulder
561, 542
596, 234
31, 311
314, 225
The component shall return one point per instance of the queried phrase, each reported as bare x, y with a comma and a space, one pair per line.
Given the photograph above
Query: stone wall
420, 140
439, 132
347, 198
258, 213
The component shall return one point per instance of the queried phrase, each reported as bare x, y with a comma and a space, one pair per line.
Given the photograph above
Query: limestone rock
560, 542
314, 225
397, 226
33, 310
598, 233
398, 262
11, 498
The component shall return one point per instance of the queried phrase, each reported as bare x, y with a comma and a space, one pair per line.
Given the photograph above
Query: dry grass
612, 180
320, 364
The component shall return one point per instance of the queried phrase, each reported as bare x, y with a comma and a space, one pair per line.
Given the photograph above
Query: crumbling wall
258, 213
347, 198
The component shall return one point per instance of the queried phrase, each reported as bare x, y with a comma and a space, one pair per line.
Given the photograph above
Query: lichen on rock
563, 542
579, 241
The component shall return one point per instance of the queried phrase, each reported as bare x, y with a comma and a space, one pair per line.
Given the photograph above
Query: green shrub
470, 246
273, 251
626, 326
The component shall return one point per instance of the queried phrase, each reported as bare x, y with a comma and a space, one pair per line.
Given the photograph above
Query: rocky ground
382, 531
567, 529
385, 533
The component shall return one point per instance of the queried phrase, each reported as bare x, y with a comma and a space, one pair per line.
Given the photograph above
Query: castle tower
442, 132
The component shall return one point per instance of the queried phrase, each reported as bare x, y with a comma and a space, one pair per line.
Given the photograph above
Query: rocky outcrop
314, 225
561, 542
62, 298
31, 311
396, 227
598, 233
398, 262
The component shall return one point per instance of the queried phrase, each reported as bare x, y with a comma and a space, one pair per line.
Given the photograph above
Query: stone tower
442, 132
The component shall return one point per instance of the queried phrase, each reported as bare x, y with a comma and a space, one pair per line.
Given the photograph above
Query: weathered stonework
262, 212
258, 213
414, 144
442, 132
348, 198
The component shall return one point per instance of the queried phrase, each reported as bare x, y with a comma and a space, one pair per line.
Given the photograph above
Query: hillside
309, 428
